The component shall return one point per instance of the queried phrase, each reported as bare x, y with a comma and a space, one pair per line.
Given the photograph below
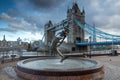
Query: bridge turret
75, 8
83, 12
48, 24
69, 14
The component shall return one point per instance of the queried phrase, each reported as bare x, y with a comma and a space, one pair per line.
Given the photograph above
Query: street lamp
90, 45
112, 43
112, 51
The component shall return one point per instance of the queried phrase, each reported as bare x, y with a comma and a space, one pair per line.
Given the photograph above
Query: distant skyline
26, 18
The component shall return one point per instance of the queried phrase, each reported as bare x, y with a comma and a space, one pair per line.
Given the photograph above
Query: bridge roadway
78, 43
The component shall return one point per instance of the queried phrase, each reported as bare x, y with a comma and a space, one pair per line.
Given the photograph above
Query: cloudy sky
26, 18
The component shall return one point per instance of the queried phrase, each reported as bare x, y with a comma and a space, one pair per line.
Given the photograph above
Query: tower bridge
77, 28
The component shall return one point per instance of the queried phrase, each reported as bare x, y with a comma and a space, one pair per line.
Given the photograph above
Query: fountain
55, 68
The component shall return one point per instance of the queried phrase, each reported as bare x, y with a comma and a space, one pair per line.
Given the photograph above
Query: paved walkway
111, 72
111, 65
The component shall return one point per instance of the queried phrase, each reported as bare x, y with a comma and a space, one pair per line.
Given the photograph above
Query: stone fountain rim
56, 72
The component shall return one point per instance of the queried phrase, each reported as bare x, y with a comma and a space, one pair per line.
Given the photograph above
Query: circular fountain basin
50, 68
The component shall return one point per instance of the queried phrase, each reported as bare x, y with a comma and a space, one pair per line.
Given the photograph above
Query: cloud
7, 30
31, 15
106, 15
24, 26
6, 17
18, 24
41, 11
13, 12
45, 4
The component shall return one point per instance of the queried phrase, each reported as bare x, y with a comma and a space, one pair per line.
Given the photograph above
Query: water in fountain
56, 64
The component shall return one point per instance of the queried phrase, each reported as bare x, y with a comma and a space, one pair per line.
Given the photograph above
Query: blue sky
26, 18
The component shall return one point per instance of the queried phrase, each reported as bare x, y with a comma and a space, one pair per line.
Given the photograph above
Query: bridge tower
49, 34
76, 33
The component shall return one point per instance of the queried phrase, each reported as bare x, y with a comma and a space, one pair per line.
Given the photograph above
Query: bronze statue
58, 40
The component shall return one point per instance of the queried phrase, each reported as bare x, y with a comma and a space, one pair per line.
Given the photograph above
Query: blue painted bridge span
78, 43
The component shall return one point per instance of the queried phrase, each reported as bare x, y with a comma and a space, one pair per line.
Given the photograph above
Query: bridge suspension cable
100, 34
58, 25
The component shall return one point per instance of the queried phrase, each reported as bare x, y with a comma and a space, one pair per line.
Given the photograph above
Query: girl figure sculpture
57, 41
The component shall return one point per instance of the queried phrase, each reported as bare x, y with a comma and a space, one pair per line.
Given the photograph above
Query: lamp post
90, 45
112, 51
112, 43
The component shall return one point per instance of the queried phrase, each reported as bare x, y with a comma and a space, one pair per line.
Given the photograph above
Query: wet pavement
111, 72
